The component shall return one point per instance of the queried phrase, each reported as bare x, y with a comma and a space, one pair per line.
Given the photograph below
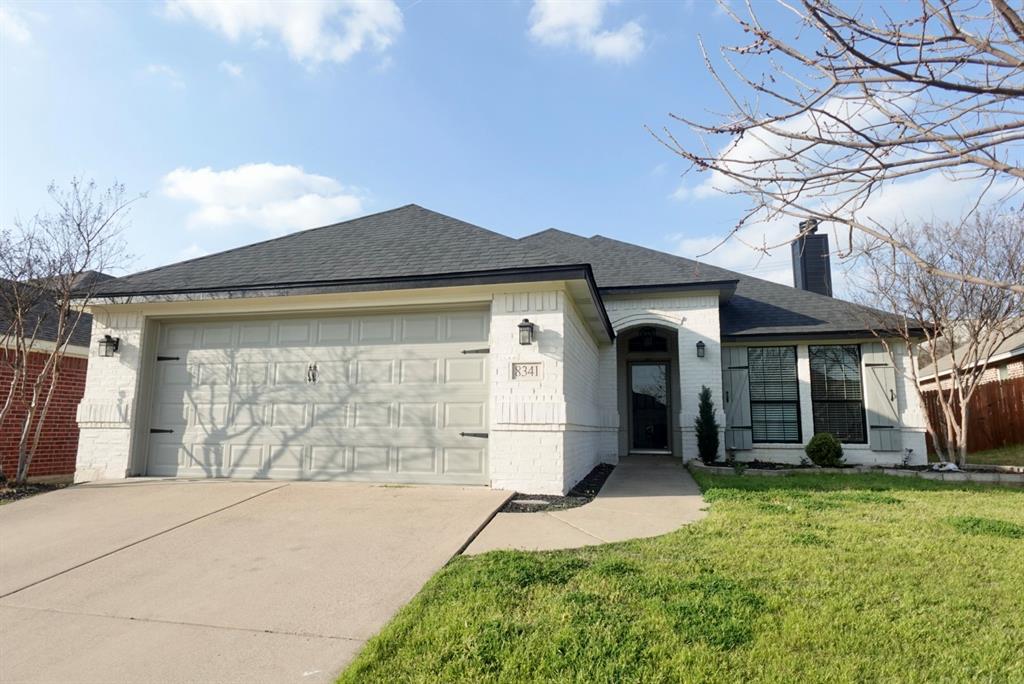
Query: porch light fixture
109, 345
526, 332
700, 349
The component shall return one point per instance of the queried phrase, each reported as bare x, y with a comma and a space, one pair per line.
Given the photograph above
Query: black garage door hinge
485, 350
481, 435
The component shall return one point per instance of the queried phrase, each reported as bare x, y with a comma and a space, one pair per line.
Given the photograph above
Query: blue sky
242, 122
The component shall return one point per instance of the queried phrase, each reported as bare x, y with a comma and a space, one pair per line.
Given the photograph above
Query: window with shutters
774, 394
837, 392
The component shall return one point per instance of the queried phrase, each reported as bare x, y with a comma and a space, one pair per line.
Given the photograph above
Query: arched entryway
648, 381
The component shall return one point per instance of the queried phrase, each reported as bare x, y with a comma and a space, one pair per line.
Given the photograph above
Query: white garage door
369, 397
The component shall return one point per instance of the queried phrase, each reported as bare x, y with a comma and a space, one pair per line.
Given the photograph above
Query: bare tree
830, 105
46, 280
962, 321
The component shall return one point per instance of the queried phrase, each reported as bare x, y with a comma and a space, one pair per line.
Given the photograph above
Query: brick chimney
812, 269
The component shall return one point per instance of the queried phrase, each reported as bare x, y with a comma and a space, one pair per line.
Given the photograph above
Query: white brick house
389, 348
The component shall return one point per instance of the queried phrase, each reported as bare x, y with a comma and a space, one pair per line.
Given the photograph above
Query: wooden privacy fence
996, 417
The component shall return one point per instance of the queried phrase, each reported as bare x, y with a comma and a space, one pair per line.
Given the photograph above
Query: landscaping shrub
825, 450
706, 427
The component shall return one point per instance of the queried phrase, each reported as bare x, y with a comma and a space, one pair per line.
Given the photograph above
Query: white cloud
193, 251
759, 149
313, 32
162, 71
275, 197
578, 24
13, 26
231, 69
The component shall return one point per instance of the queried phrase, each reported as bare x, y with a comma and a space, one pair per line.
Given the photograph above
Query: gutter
506, 275
816, 335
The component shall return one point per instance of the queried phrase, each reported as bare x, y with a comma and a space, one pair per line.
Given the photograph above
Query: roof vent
812, 270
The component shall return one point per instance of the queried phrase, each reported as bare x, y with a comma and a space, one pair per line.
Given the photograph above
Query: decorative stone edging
1009, 479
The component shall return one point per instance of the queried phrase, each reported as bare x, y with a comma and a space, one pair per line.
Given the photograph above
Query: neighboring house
397, 347
1007, 363
54, 459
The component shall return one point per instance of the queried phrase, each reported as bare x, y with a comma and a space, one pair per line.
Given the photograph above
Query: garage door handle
160, 431
481, 435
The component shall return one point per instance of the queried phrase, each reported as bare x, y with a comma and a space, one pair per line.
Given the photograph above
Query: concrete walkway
645, 496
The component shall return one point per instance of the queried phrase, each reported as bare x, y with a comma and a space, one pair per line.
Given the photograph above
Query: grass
835, 578
1009, 455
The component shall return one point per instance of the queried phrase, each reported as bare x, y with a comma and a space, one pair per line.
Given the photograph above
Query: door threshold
649, 452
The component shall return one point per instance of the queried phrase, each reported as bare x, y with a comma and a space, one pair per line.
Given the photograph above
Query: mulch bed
9, 493
583, 493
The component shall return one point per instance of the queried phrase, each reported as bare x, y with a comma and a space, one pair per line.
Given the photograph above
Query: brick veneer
55, 455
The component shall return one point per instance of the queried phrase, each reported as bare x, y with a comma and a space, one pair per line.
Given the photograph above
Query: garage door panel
421, 328
371, 459
417, 415
372, 415
418, 371
329, 460
464, 371
331, 415
334, 331
294, 333
377, 330
416, 460
375, 371
464, 460
392, 394
466, 327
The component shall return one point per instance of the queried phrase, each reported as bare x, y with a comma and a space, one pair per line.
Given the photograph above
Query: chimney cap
809, 227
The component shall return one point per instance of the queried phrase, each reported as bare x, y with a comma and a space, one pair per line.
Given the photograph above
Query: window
774, 394
837, 393
648, 340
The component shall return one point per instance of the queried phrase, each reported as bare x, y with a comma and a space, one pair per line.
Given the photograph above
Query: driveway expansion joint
580, 529
140, 541
183, 623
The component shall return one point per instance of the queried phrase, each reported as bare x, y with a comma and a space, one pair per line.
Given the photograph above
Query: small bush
706, 427
825, 450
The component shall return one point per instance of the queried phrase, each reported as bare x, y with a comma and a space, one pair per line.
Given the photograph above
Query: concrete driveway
216, 581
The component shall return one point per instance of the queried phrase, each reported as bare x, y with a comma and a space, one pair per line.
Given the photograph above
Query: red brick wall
59, 443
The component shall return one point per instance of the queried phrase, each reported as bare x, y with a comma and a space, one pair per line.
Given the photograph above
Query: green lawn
801, 578
1011, 455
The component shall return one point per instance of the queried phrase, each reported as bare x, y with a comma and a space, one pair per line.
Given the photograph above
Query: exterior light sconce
700, 349
109, 345
526, 329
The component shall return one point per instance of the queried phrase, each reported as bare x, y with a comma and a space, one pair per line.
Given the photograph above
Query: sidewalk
645, 496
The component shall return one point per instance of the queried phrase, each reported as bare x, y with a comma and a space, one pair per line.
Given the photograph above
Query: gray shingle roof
403, 242
757, 308
411, 241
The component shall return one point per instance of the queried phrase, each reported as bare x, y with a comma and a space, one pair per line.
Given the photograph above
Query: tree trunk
24, 464
961, 460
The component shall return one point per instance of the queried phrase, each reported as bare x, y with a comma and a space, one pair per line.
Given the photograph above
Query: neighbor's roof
1011, 347
411, 242
43, 314
758, 308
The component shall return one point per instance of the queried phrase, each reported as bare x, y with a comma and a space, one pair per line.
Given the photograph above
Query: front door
649, 393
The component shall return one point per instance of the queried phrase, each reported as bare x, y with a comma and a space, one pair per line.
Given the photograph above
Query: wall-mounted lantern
526, 332
700, 349
109, 345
